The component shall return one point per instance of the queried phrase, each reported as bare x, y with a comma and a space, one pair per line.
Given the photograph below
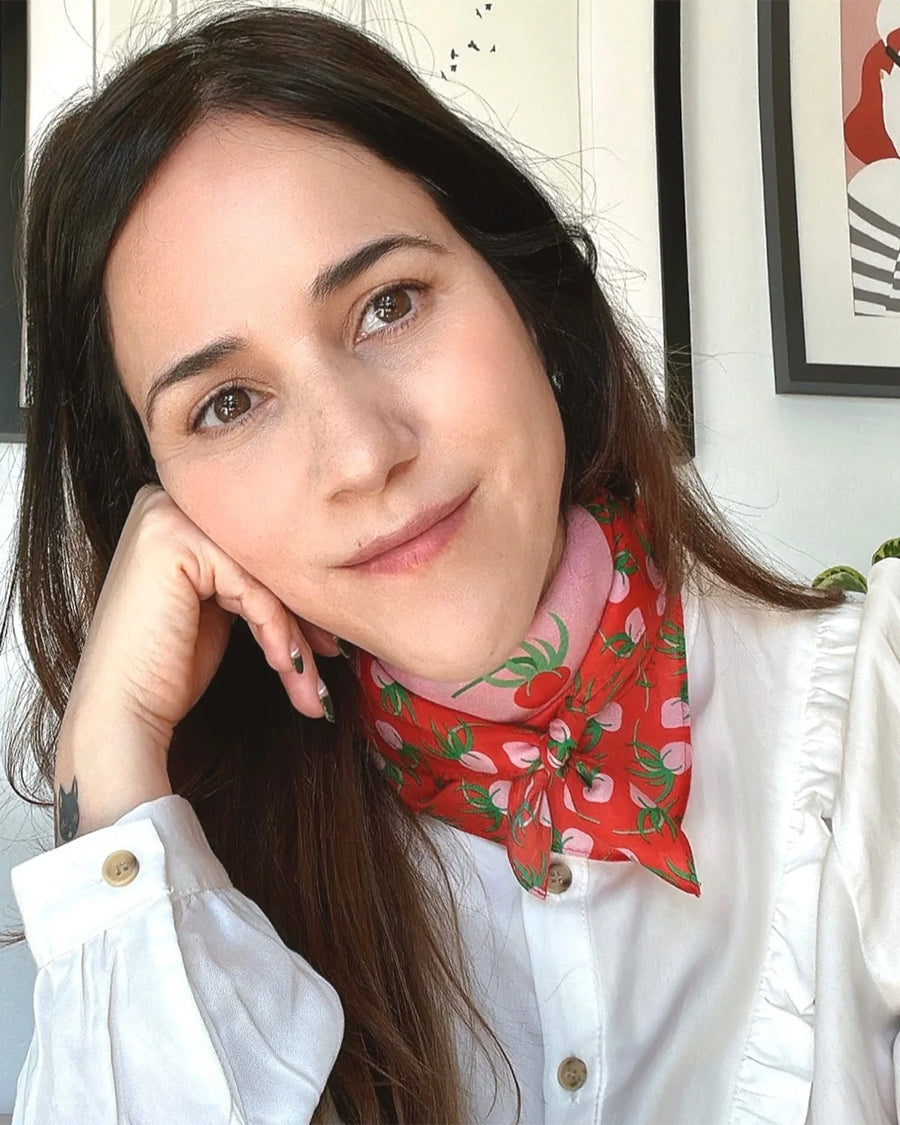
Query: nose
363, 434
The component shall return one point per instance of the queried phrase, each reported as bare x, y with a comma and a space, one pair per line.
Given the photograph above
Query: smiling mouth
421, 540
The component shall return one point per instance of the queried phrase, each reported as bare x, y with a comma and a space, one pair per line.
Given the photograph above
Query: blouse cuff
78, 890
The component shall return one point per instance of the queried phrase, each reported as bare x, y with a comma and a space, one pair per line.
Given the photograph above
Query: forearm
104, 768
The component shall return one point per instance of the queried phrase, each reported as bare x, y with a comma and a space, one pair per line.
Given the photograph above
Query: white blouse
773, 997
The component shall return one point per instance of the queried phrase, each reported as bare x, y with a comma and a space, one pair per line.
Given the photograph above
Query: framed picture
13, 78
676, 300
629, 68
829, 107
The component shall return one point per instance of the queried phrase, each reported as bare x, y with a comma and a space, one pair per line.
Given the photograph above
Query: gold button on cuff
572, 1073
559, 878
120, 868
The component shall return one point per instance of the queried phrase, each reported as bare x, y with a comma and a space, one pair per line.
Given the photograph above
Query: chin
453, 650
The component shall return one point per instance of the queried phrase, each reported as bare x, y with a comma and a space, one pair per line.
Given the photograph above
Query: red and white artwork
870, 71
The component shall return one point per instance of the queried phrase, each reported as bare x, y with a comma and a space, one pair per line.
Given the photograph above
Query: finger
278, 634
321, 641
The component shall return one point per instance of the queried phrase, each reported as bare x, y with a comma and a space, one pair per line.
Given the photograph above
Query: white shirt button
572, 1073
559, 877
120, 868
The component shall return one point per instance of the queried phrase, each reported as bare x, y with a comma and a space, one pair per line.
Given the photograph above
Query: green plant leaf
842, 577
889, 549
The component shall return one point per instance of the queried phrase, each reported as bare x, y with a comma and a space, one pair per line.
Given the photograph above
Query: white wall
813, 479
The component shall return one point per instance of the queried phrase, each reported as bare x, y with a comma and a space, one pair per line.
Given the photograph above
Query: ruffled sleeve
775, 1072
867, 813
163, 995
858, 1052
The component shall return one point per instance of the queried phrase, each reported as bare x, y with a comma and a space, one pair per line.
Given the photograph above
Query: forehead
246, 206
240, 166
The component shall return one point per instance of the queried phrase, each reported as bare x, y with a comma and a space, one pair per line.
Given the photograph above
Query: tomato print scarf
579, 743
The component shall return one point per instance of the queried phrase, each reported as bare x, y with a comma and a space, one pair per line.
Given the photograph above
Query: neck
575, 593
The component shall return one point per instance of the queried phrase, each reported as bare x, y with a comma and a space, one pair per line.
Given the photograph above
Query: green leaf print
689, 876
589, 773
540, 657
605, 512
519, 821
455, 742
394, 697
410, 752
650, 820
394, 774
624, 562
593, 732
621, 644
643, 682
650, 767
672, 644
530, 877
658, 818
579, 706
480, 800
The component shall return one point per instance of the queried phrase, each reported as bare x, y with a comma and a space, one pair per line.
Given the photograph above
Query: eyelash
388, 330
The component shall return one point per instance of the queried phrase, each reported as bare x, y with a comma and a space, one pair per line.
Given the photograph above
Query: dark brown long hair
292, 807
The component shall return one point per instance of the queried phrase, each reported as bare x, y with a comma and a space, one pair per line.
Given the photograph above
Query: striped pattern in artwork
875, 257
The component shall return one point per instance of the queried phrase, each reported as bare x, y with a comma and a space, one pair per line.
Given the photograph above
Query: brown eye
390, 310
392, 306
229, 404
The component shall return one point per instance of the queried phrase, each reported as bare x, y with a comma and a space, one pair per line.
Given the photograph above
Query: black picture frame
13, 87
794, 374
676, 301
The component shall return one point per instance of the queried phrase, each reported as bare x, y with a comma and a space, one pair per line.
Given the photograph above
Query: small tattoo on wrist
67, 815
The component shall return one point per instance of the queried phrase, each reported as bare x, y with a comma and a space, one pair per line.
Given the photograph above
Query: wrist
105, 767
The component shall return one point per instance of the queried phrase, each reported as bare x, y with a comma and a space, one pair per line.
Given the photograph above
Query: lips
411, 530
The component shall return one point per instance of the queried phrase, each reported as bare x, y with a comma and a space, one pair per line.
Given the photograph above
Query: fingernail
297, 659
327, 705
343, 648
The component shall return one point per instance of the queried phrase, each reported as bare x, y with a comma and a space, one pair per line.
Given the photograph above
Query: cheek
252, 513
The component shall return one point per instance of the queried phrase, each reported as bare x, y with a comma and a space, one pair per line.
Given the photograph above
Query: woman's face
318, 359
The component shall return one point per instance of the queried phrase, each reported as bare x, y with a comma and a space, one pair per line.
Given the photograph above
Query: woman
315, 369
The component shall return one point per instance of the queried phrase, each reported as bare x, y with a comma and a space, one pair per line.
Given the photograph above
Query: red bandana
601, 765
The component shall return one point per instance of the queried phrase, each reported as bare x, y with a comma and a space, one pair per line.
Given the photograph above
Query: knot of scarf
597, 762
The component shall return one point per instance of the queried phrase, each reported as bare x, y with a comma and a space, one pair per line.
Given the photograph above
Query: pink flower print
521, 754
388, 734
576, 842
654, 574
674, 713
661, 599
635, 626
640, 798
378, 759
499, 794
676, 756
600, 790
629, 855
621, 584
379, 676
477, 761
610, 718
558, 730
567, 799
543, 810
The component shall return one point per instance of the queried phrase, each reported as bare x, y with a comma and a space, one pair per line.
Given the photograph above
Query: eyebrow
327, 282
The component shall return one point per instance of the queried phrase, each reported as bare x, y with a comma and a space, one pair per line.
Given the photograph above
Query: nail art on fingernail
297, 660
327, 705
343, 648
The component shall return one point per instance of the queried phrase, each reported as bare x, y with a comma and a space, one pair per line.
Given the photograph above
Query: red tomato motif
540, 689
